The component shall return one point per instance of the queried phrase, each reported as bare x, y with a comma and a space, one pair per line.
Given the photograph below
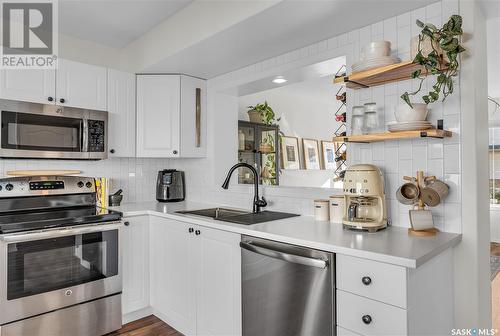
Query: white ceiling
114, 23
289, 25
316, 77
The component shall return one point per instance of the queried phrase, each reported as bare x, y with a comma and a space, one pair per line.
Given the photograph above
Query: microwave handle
85, 135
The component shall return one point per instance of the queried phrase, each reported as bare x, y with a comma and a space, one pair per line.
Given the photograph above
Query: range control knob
9, 187
0, 187
80, 184
88, 184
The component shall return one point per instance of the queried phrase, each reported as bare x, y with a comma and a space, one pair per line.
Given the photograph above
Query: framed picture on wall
311, 154
328, 149
290, 152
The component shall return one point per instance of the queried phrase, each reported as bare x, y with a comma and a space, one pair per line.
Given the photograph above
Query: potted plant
438, 54
261, 113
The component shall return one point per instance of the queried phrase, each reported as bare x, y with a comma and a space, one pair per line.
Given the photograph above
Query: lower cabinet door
135, 264
173, 285
218, 264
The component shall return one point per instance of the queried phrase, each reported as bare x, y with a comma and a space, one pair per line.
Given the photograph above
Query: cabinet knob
197, 232
366, 280
62, 100
175, 151
112, 151
191, 230
126, 223
367, 319
50, 99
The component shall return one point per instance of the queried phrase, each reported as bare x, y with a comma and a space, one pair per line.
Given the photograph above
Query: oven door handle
292, 258
71, 231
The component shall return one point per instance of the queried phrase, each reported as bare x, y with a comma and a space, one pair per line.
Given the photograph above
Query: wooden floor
148, 326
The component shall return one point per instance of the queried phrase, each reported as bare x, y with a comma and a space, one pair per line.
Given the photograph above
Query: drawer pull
366, 280
367, 319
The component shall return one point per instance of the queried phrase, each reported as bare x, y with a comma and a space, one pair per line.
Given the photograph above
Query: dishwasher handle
296, 259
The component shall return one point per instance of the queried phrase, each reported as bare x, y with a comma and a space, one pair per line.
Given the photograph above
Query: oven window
40, 132
41, 266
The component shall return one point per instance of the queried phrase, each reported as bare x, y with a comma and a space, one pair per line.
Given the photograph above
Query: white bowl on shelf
376, 49
404, 113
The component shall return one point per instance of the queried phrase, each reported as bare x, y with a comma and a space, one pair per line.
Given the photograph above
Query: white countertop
392, 245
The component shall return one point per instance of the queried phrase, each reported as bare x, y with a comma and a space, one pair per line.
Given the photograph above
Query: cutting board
42, 172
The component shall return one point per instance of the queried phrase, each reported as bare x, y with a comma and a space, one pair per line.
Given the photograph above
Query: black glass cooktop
48, 219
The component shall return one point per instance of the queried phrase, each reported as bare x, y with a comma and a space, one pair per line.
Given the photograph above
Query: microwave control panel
96, 136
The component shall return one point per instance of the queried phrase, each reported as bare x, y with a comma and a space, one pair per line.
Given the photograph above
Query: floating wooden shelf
379, 76
430, 133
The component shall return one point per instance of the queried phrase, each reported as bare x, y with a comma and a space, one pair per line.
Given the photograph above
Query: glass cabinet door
258, 145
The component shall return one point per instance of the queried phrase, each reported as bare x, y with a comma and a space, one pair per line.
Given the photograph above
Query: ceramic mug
434, 193
408, 193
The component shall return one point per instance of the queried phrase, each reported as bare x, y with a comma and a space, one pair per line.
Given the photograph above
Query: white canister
337, 205
321, 210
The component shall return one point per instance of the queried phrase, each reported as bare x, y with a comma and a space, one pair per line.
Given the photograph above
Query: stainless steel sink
215, 213
238, 216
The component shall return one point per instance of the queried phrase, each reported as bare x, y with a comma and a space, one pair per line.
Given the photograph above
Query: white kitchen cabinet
35, 86
171, 116
135, 264
122, 117
375, 298
81, 85
173, 280
218, 261
195, 284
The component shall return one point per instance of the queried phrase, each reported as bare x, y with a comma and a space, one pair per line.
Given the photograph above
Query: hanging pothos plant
441, 58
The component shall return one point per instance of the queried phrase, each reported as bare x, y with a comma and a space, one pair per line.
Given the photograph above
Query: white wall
472, 273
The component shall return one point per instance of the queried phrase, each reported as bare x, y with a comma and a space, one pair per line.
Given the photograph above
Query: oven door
48, 270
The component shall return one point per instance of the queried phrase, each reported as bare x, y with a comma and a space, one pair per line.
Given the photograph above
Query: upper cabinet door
81, 85
158, 115
35, 86
193, 117
121, 108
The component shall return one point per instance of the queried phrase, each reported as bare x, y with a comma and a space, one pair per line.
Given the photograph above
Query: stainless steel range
60, 269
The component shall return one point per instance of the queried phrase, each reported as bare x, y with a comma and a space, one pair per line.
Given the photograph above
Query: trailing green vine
447, 40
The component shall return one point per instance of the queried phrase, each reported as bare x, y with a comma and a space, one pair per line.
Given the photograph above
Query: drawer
369, 317
344, 332
375, 280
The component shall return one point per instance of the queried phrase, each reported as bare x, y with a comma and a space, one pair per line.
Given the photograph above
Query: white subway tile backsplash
433, 10
454, 181
419, 158
391, 158
453, 217
452, 159
435, 149
403, 20
435, 168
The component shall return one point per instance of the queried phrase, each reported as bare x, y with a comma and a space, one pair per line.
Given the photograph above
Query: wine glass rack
341, 116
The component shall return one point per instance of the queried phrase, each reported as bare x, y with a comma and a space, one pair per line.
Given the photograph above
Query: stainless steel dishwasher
286, 289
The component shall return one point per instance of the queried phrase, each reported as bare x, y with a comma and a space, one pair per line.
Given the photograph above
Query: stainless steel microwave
30, 130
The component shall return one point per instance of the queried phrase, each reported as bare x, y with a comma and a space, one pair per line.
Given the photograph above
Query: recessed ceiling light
279, 80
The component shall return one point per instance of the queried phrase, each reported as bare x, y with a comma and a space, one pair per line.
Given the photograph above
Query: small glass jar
370, 121
357, 120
